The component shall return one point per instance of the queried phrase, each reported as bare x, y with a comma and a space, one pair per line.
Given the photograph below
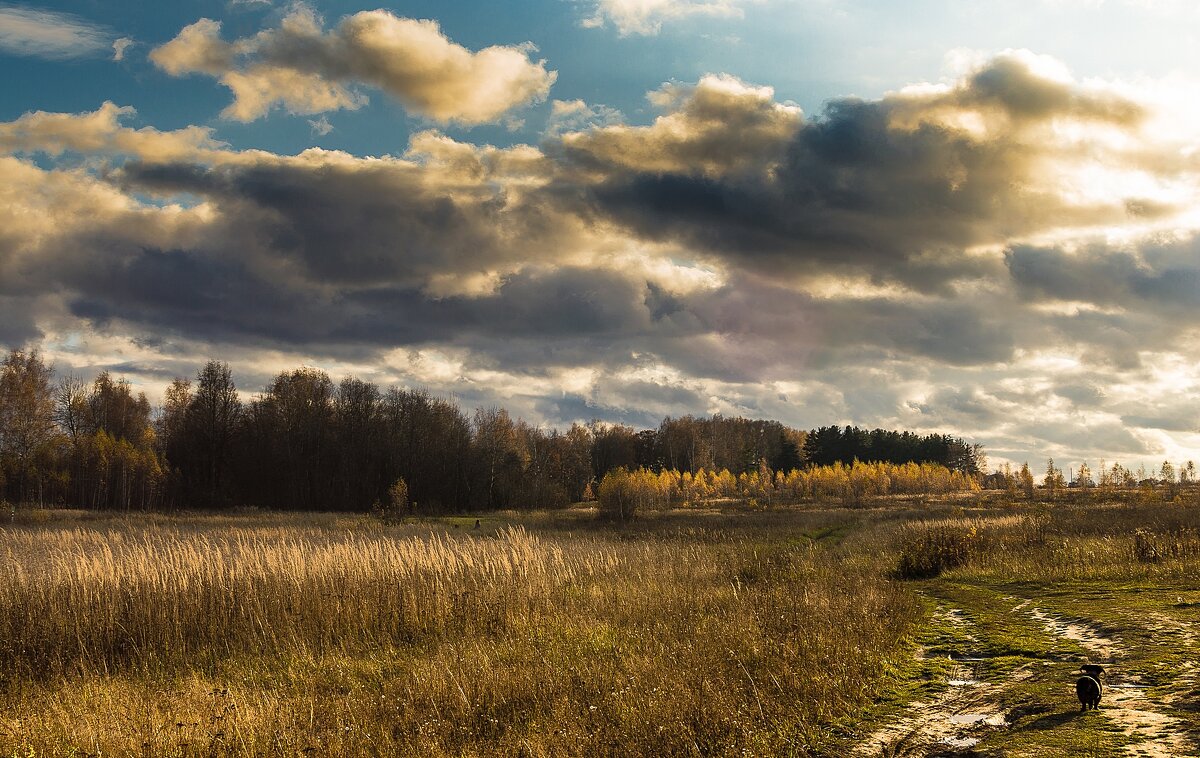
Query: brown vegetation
689, 631
338, 635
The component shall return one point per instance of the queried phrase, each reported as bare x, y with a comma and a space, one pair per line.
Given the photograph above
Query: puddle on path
991, 719
955, 720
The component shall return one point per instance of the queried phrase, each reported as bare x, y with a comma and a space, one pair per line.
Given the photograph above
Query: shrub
927, 552
396, 505
623, 494
1153, 547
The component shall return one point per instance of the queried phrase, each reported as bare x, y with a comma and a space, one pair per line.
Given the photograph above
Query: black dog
1088, 687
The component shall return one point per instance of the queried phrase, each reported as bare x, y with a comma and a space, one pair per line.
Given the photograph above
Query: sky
963, 216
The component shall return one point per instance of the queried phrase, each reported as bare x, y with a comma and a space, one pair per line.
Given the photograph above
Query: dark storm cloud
958, 402
17, 325
1112, 437
542, 306
556, 316
850, 191
325, 247
189, 294
1081, 394
894, 187
1172, 423
955, 333
348, 224
771, 327
1171, 409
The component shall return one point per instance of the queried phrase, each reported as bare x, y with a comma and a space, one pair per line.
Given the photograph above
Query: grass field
784, 632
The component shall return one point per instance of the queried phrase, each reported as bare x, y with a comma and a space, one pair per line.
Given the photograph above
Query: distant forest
306, 443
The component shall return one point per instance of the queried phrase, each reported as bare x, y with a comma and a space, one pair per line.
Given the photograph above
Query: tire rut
950, 723
1127, 705
956, 720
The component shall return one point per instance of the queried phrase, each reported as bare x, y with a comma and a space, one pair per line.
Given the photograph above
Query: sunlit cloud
306, 69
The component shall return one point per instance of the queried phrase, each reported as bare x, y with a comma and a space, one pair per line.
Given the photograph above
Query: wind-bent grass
282, 635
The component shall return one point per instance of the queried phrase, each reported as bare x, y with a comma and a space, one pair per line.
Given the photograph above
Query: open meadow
897, 628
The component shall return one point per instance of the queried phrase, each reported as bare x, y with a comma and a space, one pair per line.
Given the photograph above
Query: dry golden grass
292, 636
1089, 541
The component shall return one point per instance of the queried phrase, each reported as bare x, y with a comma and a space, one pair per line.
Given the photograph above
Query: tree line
305, 442
830, 444
622, 493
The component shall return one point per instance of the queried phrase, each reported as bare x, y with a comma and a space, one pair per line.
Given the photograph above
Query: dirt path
1137, 715
1125, 704
953, 721
1103, 649
1161, 622
968, 710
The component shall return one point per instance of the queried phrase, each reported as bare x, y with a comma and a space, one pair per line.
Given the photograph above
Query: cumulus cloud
714, 127
197, 48
50, 34
646, 17
1017, 87
910, 187
307, 69
1156, 275
101, 131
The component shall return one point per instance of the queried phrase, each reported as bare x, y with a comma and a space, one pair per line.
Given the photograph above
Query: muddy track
968, 710
952, 722
1101, 648
1126, 704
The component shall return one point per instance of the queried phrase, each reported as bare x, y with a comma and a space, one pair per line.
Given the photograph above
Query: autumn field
894, 628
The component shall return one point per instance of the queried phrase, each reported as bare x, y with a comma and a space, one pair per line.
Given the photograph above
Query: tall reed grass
213, 637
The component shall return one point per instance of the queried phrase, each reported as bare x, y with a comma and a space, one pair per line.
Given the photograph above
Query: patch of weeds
831, 535
1066, 733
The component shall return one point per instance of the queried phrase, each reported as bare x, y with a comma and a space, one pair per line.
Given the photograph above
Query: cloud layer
1010, 255
306, 69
